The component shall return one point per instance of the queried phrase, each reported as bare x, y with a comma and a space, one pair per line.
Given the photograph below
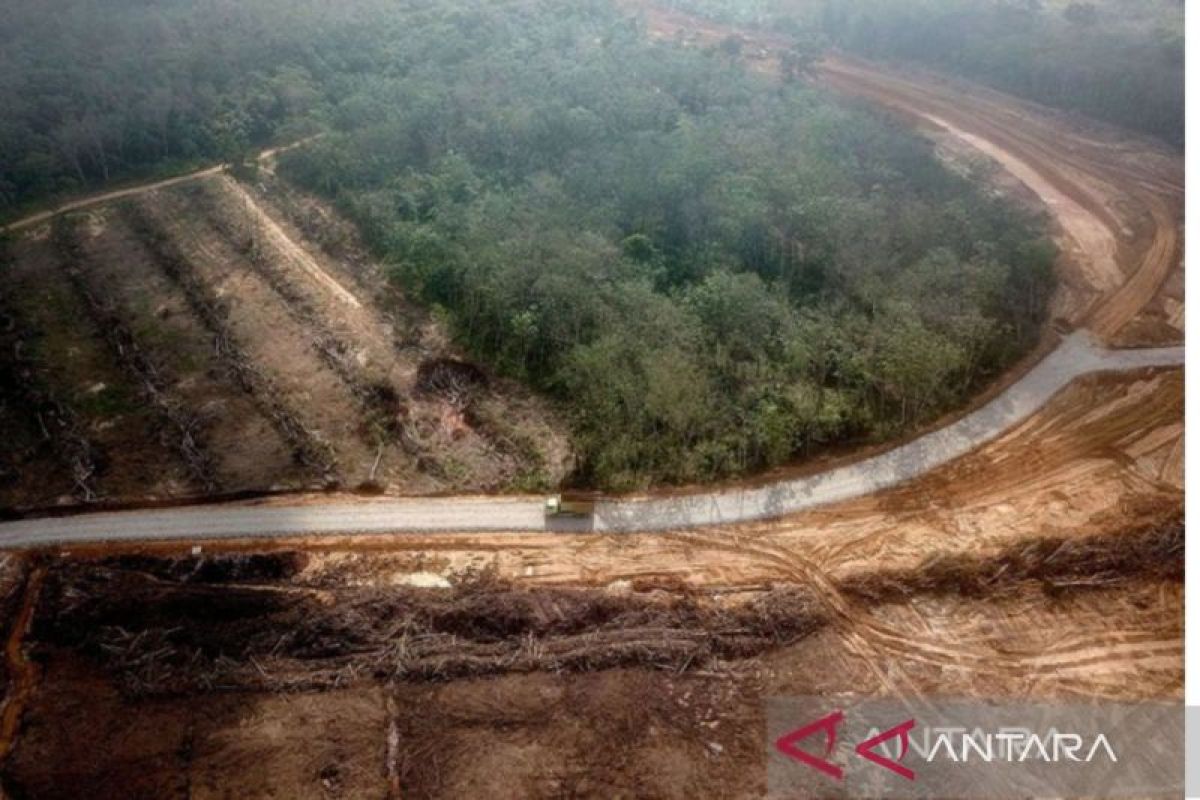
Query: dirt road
1117, 200
263, 157
957, 564
1118, 204
1078, 355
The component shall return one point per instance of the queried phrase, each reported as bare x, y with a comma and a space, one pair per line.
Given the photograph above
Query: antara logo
788, 744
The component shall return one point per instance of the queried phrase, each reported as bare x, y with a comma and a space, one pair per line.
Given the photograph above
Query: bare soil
62, 355
507, 426
189, 341
272, 675
1118, 202
245, 450
271, 338
1046, 564
1105, 455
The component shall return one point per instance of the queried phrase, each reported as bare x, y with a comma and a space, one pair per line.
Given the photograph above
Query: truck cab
570, 506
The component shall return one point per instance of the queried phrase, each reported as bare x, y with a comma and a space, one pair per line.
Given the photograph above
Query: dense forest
711, 271
96, 92
714, 272
147, 86
1121, 62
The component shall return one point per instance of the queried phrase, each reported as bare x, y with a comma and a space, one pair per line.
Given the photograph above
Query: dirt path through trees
1121, 226
264, 157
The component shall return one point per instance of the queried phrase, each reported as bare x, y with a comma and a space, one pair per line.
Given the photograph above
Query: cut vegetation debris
367, 684
240, 371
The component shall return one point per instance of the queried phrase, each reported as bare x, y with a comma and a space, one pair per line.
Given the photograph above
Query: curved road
1064, 192
1077, 355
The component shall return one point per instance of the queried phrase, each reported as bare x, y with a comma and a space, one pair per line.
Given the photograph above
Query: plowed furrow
308, 447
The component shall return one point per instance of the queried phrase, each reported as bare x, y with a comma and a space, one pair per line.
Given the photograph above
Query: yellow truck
570, 506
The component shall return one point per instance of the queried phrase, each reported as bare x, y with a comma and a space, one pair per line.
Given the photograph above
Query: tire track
867, 636
1072, 181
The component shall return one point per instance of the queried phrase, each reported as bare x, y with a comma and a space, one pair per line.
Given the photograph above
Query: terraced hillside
218, 337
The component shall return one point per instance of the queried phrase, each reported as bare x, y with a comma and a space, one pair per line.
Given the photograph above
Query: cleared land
1046, 563
192, 342
1076, 357
297, 675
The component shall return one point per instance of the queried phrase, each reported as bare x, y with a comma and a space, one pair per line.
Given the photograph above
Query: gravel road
1077, 355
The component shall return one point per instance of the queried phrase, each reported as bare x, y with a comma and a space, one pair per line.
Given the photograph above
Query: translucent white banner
877, 748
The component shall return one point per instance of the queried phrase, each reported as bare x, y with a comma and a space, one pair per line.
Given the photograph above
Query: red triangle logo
788, 744
867, 749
